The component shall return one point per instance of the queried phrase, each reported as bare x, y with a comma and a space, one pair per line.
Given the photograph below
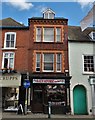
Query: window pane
88, 63
12, 37
8, 60
11, 55
51, 16
10, 40
48, 34
38, 34
12, 43
46, 15
37, 62
7, 43
5, 62
6, 55
58, 62
58, 34
11, 63
48, 62
48, 66
48, 57
8, 37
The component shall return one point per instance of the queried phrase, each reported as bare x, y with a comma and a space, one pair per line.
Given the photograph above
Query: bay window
48, 34
48, 62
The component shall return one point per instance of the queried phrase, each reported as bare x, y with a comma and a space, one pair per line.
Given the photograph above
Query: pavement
14, 116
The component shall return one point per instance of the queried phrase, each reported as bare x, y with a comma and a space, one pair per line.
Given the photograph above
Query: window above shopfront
88, 64
48, 34
10, 40
48, 62
8, 60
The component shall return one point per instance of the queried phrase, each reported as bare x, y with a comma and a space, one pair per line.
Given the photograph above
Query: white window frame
39, 62
92, 35
47, 15
43, 64
8, 58
37, 34
6, 39
84, 72
53, 34
58, 35
60, 62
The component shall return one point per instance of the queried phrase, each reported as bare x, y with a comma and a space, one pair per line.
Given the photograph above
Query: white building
82, 66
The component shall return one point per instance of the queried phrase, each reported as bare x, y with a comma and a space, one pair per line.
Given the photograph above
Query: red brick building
41, 49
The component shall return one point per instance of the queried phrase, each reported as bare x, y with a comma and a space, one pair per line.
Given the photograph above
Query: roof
10, 22
48, 10
55, 18
76, 34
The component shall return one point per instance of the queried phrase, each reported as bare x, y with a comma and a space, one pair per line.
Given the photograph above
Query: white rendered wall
76, 50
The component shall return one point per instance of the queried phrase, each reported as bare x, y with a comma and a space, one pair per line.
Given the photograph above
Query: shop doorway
37, 103
80, 102
42, 94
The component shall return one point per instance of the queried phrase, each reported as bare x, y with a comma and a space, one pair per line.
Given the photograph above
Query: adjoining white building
82, 69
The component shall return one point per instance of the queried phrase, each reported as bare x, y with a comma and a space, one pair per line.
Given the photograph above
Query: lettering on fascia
8, 78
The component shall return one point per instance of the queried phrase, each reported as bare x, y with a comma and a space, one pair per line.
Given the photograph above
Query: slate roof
41, 18
10, 22
76, 34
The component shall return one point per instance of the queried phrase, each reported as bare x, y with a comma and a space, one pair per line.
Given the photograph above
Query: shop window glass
56, 93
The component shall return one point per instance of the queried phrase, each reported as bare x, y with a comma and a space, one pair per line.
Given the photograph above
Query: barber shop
10, 90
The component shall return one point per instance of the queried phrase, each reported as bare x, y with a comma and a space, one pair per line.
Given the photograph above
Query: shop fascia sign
8, 77
52, 81
10, 80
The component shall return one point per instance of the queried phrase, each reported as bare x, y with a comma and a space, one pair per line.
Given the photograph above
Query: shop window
56, 93
88, 63
8, 60
10, 40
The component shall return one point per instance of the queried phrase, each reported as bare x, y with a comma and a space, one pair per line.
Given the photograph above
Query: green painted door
80, 104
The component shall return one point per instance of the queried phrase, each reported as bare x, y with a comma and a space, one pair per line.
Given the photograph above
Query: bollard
49, 109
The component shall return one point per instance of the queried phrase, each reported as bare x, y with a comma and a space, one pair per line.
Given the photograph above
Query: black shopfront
50, 88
